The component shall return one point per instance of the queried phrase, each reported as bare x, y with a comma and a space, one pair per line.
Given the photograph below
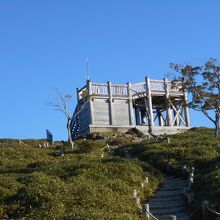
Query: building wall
101, 112
120, 112
84, 117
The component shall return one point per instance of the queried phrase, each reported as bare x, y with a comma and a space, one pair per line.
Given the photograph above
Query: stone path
168, 200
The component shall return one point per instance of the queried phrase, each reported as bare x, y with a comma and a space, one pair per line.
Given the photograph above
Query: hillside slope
38, 183
197, 147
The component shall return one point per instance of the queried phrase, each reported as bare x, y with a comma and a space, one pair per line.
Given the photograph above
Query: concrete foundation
157, 130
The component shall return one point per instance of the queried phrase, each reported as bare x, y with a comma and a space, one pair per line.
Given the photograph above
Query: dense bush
38, 183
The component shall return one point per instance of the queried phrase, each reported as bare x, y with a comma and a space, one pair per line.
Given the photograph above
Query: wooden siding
101, 112
121, 112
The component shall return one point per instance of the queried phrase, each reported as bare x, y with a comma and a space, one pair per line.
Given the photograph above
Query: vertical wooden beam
131, 112
186, 109
146, 210
89, 88
137, 115
168, 109
149, 100
160, 118
111, 114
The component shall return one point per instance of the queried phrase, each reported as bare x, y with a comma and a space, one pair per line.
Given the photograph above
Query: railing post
110, 103
145, 210
186, 109
131, 113
146, 180
149, 100
168, 110
89, 88
135, 194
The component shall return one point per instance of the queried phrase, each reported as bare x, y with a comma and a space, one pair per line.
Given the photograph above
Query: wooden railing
124, 89
157, 85
138, 87
119, 89
99, 89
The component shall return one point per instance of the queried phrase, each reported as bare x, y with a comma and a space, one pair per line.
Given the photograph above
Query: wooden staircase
75, 123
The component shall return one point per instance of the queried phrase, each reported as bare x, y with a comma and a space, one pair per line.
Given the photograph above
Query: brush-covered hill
197, 147
39, 183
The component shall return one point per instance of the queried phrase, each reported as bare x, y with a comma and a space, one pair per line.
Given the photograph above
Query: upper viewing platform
103, 106
156, 87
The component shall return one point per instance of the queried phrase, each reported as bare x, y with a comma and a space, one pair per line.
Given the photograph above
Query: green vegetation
198, 147
38, 183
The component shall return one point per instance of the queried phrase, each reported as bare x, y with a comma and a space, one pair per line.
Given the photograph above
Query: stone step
168, 200
178, 217
165, 199
172, 211
161, 206
171, 189
173, 181
168, 196
172, 186
170, 192
164, 202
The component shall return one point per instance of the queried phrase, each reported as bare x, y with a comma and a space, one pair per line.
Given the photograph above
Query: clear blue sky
44, 44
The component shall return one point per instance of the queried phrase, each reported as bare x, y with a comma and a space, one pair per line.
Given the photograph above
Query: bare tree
61, 106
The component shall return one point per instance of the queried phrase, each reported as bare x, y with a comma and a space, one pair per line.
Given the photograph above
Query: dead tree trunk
69, 133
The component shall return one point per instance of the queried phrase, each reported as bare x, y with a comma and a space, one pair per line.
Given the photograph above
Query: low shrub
38, 183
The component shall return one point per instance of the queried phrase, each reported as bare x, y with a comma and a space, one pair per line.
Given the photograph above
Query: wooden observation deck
119, 107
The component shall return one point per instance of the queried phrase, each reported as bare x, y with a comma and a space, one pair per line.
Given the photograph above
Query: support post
145, 210
137, 115
149, 101
89, 88
186, 109
168, 110
131, 113
111, 117
146, 180
160, 118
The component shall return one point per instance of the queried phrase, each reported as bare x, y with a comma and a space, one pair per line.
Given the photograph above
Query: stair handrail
152, 216
147, 211
205, 205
